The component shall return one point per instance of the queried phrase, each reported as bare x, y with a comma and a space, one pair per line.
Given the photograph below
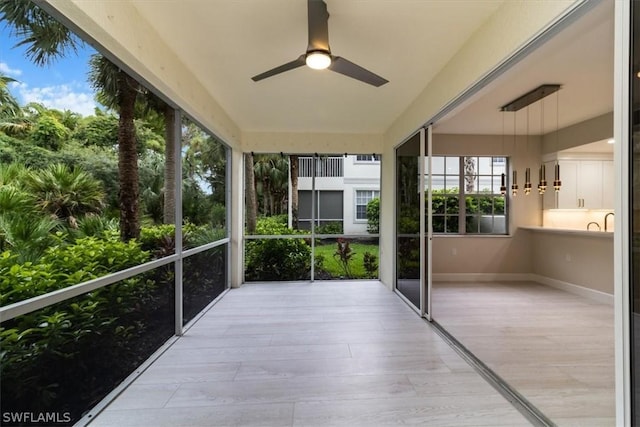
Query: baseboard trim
480, 277
572, 288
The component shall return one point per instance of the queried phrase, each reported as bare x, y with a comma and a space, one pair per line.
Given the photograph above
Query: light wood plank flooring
346, 353
555, 348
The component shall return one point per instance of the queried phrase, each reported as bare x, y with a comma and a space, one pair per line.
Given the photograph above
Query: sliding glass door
412, 271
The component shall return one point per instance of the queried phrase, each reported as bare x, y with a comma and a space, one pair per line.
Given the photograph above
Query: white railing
27, 306
325, 167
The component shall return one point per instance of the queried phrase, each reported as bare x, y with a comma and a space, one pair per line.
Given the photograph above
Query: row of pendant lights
524, 101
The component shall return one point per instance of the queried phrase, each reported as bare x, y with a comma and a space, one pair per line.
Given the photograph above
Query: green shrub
159, 239
95, 256
93, 341
48, 132
203, 234
276, 224
370, 262
276, 259
330, 228
94, 225
373, 216
64, 265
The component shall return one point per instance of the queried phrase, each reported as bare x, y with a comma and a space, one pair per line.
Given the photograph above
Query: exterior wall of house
357, 175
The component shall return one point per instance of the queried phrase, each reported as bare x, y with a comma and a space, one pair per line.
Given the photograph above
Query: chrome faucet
593, 222
605, 220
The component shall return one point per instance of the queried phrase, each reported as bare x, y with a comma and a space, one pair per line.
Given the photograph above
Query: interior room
543, 296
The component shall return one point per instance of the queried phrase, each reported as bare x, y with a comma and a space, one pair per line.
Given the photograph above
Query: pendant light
514, 181
556, 175
519, 103
542, 183
527, 171
503, 185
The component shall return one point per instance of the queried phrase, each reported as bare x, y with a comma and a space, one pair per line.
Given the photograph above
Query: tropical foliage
83, 197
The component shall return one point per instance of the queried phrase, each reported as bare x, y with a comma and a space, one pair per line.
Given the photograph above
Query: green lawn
333, 266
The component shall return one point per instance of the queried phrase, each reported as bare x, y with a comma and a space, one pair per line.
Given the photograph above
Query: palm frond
44, 38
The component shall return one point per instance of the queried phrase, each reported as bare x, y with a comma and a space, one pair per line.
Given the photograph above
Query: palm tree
118, 90
12, 118
22, 230
271, 178
250, 194
169, 115
47, 40
8, 104
294, 164
28, 236
66, 193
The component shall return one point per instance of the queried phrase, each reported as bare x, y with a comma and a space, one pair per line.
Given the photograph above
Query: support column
237, 218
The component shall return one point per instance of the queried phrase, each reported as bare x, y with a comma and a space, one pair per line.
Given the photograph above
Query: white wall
491, 254
592, 130
488, 47
575, 259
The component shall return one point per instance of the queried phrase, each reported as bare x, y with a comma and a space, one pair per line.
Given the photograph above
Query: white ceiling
602, 146
226, 42
580, 58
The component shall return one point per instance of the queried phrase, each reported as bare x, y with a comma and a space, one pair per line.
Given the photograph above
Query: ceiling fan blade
318, 18
348, 68
281, 69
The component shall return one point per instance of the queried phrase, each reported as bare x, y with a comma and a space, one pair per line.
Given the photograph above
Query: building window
368, 158
466, 195
363, 197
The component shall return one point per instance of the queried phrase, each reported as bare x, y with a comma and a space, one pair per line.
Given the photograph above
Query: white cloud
5, 69
62, 97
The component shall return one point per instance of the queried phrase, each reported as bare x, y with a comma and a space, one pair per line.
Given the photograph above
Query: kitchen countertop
569, 231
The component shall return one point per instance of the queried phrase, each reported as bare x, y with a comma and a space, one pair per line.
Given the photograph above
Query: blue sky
62, 85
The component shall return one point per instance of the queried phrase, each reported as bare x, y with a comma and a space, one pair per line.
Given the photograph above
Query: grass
333, 266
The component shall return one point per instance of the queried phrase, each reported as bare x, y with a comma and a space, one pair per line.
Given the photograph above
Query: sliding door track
526, 408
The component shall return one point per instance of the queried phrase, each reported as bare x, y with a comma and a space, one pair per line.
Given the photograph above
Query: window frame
375, 193
464, 212
371, 158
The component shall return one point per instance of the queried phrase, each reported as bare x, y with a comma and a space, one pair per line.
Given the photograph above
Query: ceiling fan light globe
318, 60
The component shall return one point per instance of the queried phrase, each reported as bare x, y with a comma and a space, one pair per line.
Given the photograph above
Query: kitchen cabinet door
590, 183
586, 184
608, 184
568, 196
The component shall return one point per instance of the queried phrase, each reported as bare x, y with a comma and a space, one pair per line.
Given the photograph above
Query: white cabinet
608, 183
586, 184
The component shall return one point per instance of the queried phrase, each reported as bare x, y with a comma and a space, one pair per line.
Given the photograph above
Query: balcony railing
326, 167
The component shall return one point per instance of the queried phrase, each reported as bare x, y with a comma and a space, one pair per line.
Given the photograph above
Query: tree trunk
294, 163
128, 159
169, 208
250, 194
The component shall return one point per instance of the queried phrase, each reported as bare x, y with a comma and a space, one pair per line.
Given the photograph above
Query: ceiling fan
318, 55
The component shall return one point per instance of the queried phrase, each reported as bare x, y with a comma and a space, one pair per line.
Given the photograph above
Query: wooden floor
555, 348
349, 353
